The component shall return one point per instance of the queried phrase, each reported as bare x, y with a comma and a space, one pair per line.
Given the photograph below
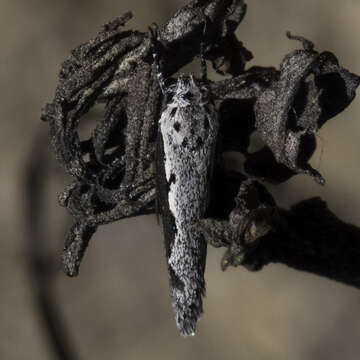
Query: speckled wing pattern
188, 132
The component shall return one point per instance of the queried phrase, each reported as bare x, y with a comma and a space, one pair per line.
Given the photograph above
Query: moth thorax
187, 91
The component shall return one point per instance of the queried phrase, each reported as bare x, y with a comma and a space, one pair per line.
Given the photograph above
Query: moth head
187, 90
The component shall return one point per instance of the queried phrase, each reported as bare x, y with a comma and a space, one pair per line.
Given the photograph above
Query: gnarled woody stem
311, 238
308, 237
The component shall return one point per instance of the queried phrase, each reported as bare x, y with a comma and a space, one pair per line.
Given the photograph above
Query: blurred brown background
119, 306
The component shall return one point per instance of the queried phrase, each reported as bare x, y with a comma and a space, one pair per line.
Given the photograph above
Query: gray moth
187, 137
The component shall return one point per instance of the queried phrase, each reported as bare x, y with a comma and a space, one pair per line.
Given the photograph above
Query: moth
187, 136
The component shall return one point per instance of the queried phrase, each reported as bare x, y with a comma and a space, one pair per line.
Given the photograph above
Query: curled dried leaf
312, 88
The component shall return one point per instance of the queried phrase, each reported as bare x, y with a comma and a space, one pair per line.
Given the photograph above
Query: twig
311, 238
308, 237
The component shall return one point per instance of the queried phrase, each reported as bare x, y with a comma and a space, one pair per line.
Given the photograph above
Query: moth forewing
188, 130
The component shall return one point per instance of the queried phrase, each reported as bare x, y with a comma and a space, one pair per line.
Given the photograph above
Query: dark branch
311, 238
308, 237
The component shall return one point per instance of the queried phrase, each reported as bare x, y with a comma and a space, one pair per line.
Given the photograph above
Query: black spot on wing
199, 142
173, 112
177, 126
206, 123
188, 96
172, 179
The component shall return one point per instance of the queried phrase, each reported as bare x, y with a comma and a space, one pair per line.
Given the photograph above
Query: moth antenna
202, 56
322, 146
203, 63
155, 53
